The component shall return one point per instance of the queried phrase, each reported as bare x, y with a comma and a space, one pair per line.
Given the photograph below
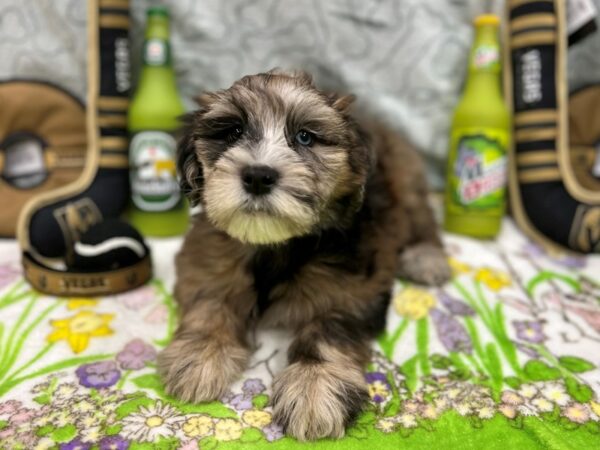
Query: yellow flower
414, 303
198, 426
458, 267
493, 279
228, 430
76, 303
78, 329
256, 418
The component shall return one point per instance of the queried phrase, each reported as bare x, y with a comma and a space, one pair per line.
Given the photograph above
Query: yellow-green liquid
156, 106
480, 112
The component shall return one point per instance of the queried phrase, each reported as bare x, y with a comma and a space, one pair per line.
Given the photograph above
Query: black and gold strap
546, 198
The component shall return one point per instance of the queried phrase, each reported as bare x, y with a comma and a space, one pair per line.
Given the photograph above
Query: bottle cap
158, 11
487, 19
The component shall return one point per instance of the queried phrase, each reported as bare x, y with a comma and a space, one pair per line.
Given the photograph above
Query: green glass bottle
158, 207
477, 167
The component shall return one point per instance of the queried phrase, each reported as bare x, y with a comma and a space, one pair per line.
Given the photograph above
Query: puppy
307, 219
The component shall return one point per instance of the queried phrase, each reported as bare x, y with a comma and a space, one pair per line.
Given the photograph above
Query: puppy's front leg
323, 388
208, 352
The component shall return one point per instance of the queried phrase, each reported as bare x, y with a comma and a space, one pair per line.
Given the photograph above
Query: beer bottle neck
156, 53
484, 63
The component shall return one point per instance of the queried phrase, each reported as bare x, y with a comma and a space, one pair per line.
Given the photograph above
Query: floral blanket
504, 356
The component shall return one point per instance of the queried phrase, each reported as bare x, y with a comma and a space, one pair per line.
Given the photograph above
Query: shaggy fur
317, 254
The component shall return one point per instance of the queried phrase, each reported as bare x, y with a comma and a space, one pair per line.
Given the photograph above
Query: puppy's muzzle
259, 180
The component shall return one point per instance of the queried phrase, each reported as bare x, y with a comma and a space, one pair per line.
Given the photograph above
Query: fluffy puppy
307, 219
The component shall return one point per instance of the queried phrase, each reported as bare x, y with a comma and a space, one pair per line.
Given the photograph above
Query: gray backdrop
405, 59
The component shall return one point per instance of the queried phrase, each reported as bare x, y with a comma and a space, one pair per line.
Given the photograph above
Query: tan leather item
64, 284
55, 118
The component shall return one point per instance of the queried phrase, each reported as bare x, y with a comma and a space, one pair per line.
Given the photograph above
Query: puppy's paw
200, 370
425, 263
317, 400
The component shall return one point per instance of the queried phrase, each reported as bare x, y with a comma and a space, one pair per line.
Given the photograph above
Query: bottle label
153, 175
486, 57
156, 52
477, 173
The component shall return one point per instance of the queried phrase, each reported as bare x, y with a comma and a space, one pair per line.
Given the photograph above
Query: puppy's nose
259, 180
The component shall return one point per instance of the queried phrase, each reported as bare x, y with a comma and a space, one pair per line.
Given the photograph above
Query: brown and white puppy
307, 219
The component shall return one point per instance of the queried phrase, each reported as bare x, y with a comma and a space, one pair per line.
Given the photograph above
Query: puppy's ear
341, 102
189, 168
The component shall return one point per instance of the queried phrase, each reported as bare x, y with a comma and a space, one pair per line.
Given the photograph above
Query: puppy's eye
234, 133
305, 138
226, 132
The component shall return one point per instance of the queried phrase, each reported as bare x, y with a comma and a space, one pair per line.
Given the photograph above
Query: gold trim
533, 38
516, 202
533, 20
113, 121
93, 151
540, 175
1, 162
536, 116
113, 103
536, 157
514, 3
536, 134
114, 161
114, 4
113, 143
114, 21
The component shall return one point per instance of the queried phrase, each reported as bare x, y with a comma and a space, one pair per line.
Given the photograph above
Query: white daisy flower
556, 393
65, 391
385, 425
84, 406
151, 423
542, 404
92, 434
463, 408
407, 420
528, 391
44, 443
485, 412
88, 421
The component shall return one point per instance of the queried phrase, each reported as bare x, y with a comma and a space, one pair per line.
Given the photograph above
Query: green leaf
513, 382
440, 361
575, 364
43, 399
260, 401
64, 434
133, 405
567, 424
251, 435
44, 431
208, 443
537, 370
149, 381
113, 429
409, 369
358, 432
579, 391
592, 427
3, 424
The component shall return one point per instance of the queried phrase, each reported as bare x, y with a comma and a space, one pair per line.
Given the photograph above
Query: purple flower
273, 432
135, 355
451, 332
115, 442
241, 402
75, 444
572, 262
454, 306
372, 377
102, 374
529, 331
253, 386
